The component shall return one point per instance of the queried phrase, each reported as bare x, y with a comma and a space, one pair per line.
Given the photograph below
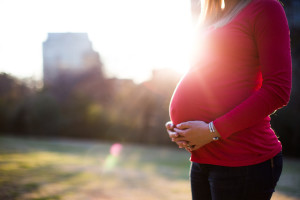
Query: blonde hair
218, 12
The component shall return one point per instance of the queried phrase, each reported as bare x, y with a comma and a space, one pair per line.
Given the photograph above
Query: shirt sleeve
272, 37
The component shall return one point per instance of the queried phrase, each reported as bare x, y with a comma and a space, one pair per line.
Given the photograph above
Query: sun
143, 37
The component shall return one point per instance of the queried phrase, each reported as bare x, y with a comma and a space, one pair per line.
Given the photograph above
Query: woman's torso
225, 72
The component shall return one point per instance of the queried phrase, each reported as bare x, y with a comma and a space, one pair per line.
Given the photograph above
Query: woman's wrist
213, 131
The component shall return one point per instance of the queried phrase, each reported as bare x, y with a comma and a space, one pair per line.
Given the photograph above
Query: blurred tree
156, 112
12, 93
138, 112
43, 114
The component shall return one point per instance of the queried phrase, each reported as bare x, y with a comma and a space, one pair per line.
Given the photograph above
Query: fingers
177, 138
180, 132
182, 144
193, 147
169, 125
172, 134
189, 124
184, 125
170, 129
186, 145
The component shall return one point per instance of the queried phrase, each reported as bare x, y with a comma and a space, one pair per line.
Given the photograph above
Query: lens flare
113, 158
223, 4
116, 149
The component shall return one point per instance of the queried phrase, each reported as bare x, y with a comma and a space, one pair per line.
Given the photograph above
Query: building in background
68, 54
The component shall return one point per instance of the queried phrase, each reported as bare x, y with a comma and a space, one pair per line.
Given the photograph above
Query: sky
133, 37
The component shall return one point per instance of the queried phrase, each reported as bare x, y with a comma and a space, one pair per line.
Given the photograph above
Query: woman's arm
272, 37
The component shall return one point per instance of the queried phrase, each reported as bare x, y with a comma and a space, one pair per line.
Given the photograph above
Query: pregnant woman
240, 74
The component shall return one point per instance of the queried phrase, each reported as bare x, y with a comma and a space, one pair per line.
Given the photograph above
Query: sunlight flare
113, 158
223, 4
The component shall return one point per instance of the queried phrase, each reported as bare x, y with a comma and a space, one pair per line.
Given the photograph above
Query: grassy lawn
73, 170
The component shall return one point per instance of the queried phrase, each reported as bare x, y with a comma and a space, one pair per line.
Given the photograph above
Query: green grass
72, 170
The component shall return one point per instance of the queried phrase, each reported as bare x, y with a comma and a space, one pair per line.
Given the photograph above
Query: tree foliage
88, 106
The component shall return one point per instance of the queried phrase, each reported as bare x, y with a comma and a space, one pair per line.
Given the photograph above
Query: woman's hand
195, 133
172, 134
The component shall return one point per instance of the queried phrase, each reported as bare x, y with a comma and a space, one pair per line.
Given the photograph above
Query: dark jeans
254, 182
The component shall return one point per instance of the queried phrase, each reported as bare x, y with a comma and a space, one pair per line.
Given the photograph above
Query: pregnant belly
203, 97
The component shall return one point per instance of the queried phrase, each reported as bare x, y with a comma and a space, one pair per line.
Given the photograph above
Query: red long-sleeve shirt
241, 74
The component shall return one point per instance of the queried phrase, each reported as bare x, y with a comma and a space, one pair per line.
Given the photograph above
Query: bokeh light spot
112, 159
116, 149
